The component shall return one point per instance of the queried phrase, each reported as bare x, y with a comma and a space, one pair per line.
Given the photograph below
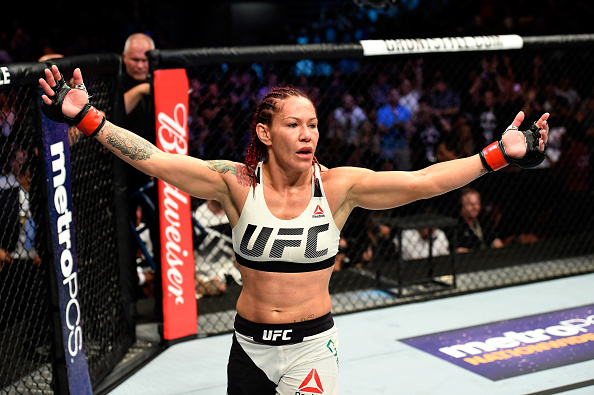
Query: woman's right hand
74, 100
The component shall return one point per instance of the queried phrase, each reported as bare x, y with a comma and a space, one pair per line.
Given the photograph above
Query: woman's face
293, 134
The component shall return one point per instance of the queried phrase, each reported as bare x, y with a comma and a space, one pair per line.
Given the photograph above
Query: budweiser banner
177, 257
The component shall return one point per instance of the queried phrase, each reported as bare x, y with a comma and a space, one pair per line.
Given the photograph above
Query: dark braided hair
268, 107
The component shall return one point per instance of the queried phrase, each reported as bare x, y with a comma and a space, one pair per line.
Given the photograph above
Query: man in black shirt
474, 231
138, 102
140, 119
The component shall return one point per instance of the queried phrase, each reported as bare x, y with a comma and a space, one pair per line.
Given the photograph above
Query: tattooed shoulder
237, 169
242, 175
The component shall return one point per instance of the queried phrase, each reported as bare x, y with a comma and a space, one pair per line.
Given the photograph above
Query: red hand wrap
91, 123
492, 157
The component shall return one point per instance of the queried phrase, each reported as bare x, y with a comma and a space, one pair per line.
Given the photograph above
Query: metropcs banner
510, 348
177, 257
59, 194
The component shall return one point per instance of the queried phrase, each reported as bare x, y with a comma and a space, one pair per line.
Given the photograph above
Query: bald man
137, 69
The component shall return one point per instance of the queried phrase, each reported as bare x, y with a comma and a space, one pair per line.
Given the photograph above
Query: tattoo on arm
221, 166
129, 144
238, 170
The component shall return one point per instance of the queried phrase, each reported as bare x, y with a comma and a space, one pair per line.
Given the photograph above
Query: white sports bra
303, 244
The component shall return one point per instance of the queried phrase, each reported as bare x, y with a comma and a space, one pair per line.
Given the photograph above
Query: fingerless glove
89, 120
494, 156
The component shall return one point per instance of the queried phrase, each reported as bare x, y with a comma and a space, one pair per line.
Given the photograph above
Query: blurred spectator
19, 261
565, 89
349, 116
411, 85
527, 98
443, 99
474, 230
487, 78
146, 273
572, 213
378, 91
354, 244
540, 72
230, 140
415, 243
410, 95
9, 201
429, 128
462, 133
555, 103
213, 250
585, 118
366, 148
506, 79
21, 45
334, 88
341, 259
7, 120
380, 237
25, 247
393, 122
447, 149
559, 128
17, 239
272, 82
488, 113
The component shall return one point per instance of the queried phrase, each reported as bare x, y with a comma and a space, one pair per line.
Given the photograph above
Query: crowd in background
408, 114
25, 34
394, 115
398, 115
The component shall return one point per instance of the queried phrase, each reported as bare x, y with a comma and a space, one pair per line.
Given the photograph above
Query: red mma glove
89, 120
494, 156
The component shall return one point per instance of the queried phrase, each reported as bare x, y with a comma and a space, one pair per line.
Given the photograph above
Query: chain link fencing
453, 104
25, 323
406, 112
31, 345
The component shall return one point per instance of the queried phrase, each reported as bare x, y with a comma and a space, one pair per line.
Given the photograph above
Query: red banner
177, 257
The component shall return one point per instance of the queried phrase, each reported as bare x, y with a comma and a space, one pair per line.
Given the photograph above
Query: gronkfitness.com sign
445, 44
177, 257
516, 347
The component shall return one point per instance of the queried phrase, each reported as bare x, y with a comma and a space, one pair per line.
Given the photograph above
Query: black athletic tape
54, 110
534, 156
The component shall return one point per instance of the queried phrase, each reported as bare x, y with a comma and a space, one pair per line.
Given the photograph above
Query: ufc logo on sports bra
274, 334
280, 243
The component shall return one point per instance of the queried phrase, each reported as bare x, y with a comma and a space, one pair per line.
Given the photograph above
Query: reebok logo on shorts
311, 385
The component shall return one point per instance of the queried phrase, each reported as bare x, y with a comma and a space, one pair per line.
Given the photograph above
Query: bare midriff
282, 298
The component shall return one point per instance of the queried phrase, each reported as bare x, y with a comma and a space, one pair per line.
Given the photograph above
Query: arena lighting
384, 4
